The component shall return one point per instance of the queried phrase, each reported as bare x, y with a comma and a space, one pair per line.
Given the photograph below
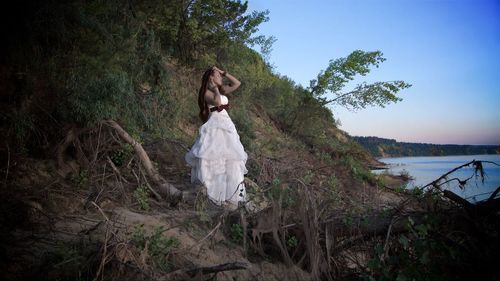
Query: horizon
448, 51
399, 141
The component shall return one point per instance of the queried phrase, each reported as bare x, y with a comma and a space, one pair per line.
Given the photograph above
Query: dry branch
494, 194
196, 273
218, 268
164, 187
478, 165
61, 148
478, 168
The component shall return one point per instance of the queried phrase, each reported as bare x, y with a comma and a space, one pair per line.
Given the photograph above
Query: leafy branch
343, 70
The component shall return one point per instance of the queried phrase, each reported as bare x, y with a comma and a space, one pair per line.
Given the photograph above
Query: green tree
208, 26
343, 70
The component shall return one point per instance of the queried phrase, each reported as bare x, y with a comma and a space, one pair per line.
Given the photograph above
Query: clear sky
449, 50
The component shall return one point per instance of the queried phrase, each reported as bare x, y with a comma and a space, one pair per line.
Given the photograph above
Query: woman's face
217, 78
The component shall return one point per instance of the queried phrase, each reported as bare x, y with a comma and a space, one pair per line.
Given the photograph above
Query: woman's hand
222, 73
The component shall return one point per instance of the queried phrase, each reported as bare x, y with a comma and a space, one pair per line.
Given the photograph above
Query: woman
217, 158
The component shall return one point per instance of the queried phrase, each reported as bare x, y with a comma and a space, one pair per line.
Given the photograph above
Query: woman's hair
204, 112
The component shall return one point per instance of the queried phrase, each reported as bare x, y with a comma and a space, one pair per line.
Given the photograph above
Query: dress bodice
223, 100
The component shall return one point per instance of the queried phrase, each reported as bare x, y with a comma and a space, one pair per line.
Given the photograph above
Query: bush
418, 254
244, 125
159, 246
236, 233
141, 194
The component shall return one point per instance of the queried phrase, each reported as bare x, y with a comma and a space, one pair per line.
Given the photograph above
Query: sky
449, 50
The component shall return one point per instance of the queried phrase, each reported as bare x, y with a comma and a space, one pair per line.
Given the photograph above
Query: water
427, 169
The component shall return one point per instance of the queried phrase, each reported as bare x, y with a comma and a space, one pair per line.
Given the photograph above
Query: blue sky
449, 50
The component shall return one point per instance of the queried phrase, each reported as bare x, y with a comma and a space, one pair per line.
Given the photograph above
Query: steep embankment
81, 202
106, 224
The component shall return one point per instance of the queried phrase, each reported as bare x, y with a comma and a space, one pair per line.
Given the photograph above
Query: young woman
217, 158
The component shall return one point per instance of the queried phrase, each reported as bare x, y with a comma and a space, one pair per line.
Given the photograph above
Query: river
425, 169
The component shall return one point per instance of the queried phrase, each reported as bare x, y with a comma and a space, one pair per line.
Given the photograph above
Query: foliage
417, 255
141, 194
284, 194
358, 171
236, 233
120, 155
80, 179
103, 60
76, 63
198, 32
69, 261
292, 242
158, 245
333, 183
243, 123
343, 70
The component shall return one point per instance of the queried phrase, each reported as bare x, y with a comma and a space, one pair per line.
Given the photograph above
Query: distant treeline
380, 147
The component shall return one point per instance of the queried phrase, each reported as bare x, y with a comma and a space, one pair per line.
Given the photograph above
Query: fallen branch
478, 168
457, 199
218, 268
494, 194
115, 169
207, 236
196, 273
163, 185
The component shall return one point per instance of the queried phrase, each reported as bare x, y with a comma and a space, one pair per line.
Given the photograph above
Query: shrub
236, 233
159, 246
141, 194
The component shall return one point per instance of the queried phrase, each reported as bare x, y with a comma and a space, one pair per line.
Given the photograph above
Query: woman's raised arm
233, 82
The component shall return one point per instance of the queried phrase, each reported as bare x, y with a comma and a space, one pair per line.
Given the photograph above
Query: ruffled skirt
217, 160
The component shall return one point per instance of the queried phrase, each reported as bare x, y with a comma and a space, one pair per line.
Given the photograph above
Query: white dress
217, 159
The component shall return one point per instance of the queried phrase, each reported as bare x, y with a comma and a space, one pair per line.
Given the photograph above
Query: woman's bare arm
212, 96
233, 83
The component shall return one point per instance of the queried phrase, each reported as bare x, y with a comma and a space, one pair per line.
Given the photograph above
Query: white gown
217, 159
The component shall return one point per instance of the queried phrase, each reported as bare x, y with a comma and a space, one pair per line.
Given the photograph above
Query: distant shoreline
384, 148
417, 156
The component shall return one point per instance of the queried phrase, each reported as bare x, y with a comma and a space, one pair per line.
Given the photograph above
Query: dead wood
349, 236
218, 268
457, 199
310, 222
270, 221
494, 194
197, 273
61, 148
164, 187
490, 204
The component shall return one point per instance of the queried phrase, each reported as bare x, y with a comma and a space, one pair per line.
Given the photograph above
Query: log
164, 187
378, 228
196, 273
494, 194
218, 268
457, 199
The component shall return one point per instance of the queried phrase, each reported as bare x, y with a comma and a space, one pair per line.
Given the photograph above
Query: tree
340, 71
210, 25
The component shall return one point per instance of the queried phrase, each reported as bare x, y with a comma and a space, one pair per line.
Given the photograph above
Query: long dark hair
204, 112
